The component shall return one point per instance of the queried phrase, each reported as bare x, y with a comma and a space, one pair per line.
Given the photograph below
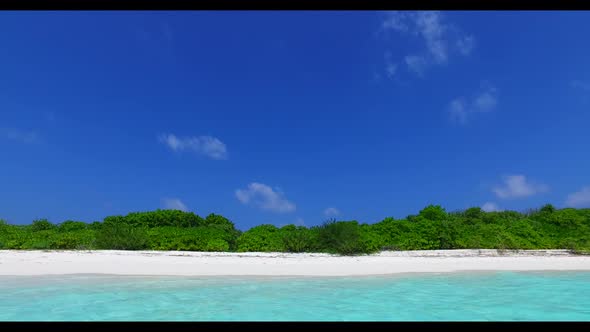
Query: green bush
72, 240
391, 231
547, 208
121, 237
28, 239
42, 225
433, 212
158, 218
65, 241
447, 234
474, 213
298, 239
225, 225
418, 235
39, 244
15, 237
95, 226
341, 237
3, 231
215, 219
218, 245
204, 238
371, 240
262, 238
431, 228
567, 218
70, 225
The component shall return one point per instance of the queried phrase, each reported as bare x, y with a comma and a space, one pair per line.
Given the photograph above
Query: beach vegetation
342, 237
298, 239
120, 236
42, 225
262, 238
432, 228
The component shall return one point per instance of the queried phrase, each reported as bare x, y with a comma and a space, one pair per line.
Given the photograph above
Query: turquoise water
505, 296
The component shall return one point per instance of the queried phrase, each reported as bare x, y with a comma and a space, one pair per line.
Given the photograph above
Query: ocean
478, 296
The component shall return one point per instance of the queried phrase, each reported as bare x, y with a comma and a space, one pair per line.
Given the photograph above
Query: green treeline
431, 228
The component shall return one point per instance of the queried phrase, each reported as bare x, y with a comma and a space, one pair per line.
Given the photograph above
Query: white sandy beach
178, 263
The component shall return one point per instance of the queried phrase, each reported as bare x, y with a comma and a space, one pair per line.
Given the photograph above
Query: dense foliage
431, 228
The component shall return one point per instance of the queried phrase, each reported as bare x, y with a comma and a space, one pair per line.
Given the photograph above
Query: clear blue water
504, 296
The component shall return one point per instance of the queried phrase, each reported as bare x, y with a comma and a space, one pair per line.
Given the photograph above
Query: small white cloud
485, 101
457, 111
432, 30
17, 135
466, 44
416, 64
174, 204
440, 38
396, 21
517, 186
579, 199
205, 145
490, 207
390, 69
331, 212
460, 109
265, 198
300, 222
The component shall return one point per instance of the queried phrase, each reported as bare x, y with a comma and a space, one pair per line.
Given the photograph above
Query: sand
178, 263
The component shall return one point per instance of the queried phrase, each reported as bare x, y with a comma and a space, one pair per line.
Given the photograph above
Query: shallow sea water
478, 296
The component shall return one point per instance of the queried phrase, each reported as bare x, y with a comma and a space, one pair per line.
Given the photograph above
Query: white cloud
458, 111
416, 64
390, 69
485, 100
205, 145
331, 212
579, 199
396, 21
390, 66
300, 222
490, 207
517, 186
465, 44
21, 136
174, 204
440, 38
433, 31
265, 198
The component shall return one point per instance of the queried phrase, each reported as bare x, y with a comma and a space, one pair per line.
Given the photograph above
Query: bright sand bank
15, 262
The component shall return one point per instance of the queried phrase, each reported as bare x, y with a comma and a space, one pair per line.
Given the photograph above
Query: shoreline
186, 263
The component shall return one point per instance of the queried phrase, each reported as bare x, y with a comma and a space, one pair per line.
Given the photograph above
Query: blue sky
291, 117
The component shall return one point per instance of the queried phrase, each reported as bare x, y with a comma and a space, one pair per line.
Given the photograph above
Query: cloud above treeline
207, 146
265, 198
